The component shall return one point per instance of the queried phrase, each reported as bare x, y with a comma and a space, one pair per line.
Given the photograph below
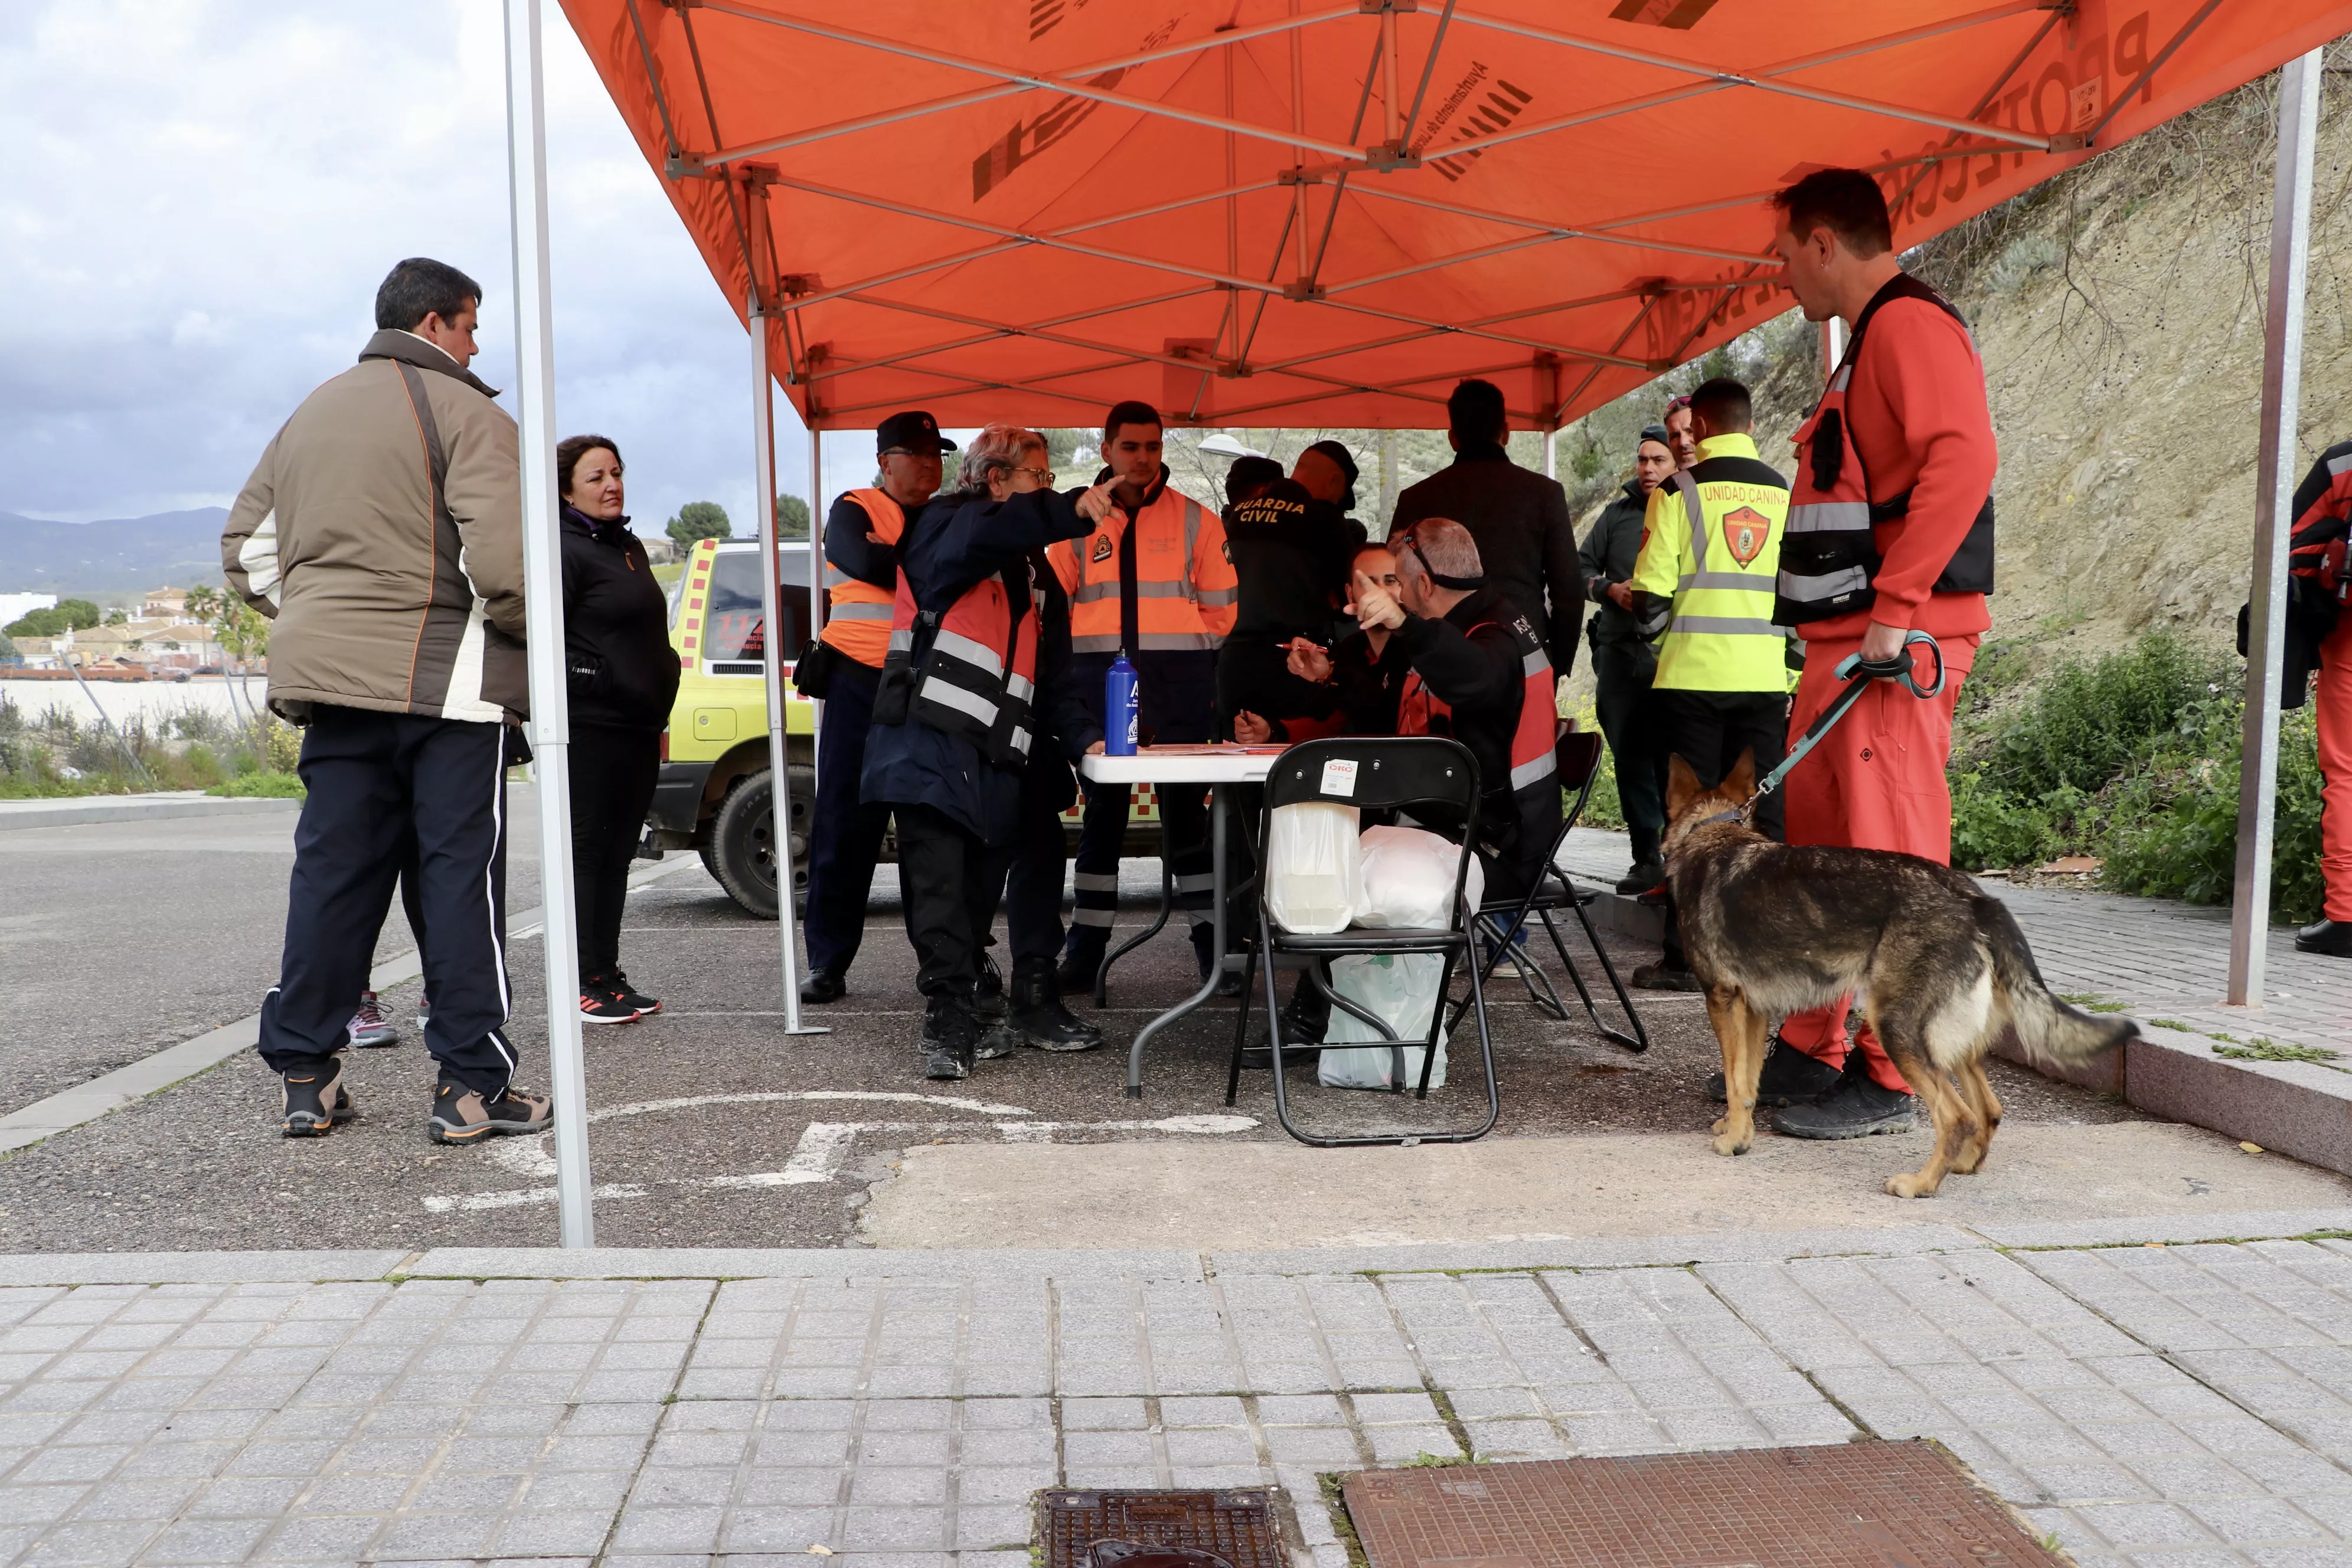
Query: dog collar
1738, 814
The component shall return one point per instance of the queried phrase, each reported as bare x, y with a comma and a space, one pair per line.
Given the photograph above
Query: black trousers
844, 833
1033, 887
1184, 809
612, 772
375, 780
950, 882
1628, 720
1709, 730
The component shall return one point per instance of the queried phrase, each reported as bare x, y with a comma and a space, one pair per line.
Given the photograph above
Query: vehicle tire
742, 854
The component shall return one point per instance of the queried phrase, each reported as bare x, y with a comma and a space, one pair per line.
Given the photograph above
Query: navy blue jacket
954, 543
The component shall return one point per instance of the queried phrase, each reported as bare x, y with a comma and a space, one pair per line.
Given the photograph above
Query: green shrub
2175, 831
270, 786
2091, 720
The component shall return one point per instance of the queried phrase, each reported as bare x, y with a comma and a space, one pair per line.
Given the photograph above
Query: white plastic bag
1313, 883
1408, 884
1408, 880
1401, 988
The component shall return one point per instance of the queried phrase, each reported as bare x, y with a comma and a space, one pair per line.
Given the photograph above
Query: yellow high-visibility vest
1711, 544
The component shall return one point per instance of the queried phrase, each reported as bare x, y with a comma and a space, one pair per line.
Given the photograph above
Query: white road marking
520, 1197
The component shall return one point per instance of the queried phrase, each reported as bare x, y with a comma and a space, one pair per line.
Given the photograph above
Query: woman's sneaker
462, 1115
370, 1027
315, 1101
601, 1003
618, 984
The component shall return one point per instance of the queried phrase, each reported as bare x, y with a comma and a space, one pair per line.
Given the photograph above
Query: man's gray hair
1446, 546
996, 450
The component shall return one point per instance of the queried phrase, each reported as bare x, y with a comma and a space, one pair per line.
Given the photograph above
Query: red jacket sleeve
1921, 422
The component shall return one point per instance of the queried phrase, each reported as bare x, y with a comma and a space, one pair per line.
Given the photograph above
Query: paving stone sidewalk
2159, 957
2182, 1405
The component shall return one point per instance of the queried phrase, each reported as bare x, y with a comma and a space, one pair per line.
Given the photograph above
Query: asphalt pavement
119, 939
711, 1126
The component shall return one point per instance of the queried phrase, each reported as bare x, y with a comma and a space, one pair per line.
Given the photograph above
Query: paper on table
1210, 751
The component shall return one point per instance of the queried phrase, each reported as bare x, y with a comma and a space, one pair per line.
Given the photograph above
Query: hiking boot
1790, 1077
1038, 1012
1648, 874
601, 1004
1662, 977
462, 1115
1305, 1017
950, 1039
1081, 959
823, 985
1854, 1108
2333, 937
630, 996
315, 1101
370, 1027
988, 992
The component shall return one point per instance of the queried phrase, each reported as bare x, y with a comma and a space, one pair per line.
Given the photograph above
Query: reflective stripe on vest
1718, 607
1533, 764
961, 684
1185, 592
1829, 557
859, 614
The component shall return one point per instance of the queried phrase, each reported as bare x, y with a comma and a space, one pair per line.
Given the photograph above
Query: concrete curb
134, 808
86, 1102
850, 1264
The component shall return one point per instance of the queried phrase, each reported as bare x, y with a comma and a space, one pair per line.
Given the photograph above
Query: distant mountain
177, 549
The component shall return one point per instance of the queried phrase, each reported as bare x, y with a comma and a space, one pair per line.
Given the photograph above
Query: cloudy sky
203, 194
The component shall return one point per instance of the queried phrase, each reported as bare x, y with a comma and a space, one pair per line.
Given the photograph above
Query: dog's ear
1741, 782
1682, 785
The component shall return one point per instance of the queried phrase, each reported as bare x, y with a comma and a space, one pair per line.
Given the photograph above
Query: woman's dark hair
570, 449
421, 287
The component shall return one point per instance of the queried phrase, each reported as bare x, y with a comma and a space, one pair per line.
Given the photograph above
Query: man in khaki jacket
382, 533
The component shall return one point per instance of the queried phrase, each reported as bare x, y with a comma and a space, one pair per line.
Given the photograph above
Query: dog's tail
2051, 1030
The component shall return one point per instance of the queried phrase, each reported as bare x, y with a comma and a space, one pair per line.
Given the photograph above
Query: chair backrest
1381, 773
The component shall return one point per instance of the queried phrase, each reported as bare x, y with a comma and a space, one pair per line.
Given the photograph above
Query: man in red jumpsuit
2319, 634
1891, 525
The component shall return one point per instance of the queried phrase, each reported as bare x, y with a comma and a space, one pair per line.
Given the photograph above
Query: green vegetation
791, 516
66, 614
698, 520
2263, 1048
2131, 757
264, 786
59, 754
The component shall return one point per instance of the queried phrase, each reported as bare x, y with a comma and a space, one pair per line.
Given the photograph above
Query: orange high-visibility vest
1185, 593
858, 619
1828, 548
969, 671
1535, 771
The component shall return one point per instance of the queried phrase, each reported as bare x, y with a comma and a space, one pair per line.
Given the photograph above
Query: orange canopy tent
1295, 213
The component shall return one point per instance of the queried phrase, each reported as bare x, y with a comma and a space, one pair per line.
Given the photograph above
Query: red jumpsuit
1918, 418
2322, 503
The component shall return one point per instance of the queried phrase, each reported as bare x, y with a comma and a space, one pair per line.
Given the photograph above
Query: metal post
2273, 513
1834, 339
1551, 454
772, 621
1391, 110
542, 571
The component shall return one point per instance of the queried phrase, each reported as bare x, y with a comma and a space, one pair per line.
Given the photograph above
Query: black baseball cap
911, 431
1338, 452
1656, 433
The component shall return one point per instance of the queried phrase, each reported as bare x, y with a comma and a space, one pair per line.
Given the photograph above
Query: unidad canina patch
1744, 534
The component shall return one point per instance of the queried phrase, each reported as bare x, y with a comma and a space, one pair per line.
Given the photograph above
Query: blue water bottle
1119, 708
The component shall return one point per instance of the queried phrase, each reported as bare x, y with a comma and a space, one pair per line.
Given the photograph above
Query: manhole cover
1159, 1529
1856, 1505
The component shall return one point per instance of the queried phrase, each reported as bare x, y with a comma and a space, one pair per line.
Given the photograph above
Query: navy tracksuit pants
377, 781
846, 833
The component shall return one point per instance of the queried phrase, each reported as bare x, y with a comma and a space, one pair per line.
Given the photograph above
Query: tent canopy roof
1298, 213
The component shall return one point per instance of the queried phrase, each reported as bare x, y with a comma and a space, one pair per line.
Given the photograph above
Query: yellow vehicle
713, 794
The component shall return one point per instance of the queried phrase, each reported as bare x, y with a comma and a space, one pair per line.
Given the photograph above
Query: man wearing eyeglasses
861, 557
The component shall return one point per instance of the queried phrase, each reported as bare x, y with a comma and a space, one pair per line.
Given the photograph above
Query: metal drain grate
1854, 1505
1236, 1526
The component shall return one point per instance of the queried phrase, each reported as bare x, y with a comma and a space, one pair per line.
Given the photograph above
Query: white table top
1184, 765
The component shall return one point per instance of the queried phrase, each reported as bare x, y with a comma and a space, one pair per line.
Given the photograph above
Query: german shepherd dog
1772, 929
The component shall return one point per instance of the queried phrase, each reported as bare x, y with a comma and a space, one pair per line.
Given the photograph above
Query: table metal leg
1159, 923
1218, 892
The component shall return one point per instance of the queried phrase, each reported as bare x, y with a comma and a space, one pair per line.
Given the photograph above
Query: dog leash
1898, 669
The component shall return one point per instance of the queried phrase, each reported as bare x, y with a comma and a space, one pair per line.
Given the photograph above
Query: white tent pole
772, 605
542, 565
2273, 514
1551, 454
1832, 347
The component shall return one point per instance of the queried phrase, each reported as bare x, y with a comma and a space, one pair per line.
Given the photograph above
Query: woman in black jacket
623, 677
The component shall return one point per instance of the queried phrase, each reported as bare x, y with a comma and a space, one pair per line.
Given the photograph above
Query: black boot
1081, 958
1038, 1014
1789, 1078
2333, 937
949, 1038
1854, 1108
822, 985
988, 995
1305, 1017
991, 1017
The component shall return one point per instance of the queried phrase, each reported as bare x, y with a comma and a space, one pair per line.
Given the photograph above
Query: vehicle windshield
730, 616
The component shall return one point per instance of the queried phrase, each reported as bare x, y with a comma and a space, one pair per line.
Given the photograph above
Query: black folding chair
1578, 754
1379, 774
